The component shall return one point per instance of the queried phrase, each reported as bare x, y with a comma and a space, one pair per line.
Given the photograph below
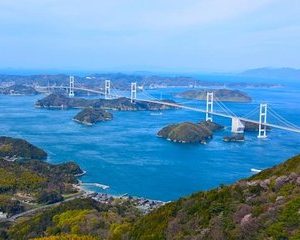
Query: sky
149, 35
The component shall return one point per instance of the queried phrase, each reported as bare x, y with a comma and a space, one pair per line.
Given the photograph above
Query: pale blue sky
155, 35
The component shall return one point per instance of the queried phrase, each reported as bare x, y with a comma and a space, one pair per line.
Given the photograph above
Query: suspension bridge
237, 122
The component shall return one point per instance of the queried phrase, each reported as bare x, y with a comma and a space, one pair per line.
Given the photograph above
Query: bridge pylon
262, 128
133, 92
209, 106
107, 89
71, 86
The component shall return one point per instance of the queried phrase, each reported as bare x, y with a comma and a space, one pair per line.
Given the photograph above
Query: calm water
126, 155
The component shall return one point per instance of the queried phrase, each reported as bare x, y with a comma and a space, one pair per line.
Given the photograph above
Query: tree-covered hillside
264, 206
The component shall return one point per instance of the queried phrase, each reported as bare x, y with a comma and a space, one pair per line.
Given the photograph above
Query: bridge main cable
221, 115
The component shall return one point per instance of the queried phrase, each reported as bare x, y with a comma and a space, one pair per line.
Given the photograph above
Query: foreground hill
264, 206
78, 219
27, 183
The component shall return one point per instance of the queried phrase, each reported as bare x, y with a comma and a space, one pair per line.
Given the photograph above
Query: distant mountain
273, 73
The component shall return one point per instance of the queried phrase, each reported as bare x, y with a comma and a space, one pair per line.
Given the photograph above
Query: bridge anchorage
133, 92
107, 89
237, 126
71, 86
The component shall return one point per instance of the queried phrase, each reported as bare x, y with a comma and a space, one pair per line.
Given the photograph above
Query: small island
90, 116
18, 90
224, 95
188, 132
119, 104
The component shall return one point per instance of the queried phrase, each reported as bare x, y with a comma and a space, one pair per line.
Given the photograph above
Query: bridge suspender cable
288, 126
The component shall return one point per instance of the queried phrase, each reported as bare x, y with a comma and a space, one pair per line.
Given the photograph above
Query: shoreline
144, 204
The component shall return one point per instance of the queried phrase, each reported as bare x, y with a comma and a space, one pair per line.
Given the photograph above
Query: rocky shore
234, 138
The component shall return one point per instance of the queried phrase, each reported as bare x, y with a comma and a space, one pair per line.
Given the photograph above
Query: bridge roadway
221, 115
296, 130
66, 87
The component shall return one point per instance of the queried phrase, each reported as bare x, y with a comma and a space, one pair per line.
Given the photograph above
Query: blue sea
126, 155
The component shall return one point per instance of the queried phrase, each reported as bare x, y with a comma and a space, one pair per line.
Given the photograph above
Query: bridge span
237, 121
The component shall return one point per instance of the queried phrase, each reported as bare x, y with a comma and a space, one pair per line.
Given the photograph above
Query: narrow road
14, 217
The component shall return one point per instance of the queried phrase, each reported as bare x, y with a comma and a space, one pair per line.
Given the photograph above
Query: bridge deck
222, 115
184, 107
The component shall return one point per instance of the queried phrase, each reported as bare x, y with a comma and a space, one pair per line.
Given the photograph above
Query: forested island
120, 104
264, 206
90, 116
225, 95
188, 132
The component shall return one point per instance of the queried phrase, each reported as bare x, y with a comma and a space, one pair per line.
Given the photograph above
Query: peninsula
15, 148
263, 206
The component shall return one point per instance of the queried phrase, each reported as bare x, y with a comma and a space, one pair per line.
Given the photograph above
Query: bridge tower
48, 87
107, 89
71, 88
262, 128
133, 92
209, 106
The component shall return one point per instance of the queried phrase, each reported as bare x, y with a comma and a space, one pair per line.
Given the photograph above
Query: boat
156, 114
255, 170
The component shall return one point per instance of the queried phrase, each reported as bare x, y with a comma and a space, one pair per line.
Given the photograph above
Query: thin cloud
128, 14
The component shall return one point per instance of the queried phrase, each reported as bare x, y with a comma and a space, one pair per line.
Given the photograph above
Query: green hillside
265, 206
